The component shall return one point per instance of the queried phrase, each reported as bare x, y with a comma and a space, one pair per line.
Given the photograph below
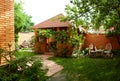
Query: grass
22, 54
90, 69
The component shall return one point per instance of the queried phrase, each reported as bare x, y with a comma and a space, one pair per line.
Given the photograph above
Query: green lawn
21, 54
90, 69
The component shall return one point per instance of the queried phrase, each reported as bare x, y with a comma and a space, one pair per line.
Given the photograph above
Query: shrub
24, 69
116, 52
64, 41
78, 53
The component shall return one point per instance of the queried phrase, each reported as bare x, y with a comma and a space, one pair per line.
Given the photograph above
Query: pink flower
112, 28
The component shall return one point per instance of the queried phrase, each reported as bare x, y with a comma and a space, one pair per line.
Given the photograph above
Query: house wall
101, 40
6, 24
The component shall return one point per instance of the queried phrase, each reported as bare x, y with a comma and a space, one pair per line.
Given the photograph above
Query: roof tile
52, 22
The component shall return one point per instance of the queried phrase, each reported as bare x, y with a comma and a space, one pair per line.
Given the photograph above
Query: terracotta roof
52, 22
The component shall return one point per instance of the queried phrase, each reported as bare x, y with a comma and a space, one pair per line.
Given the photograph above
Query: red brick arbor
6, 24
53, 23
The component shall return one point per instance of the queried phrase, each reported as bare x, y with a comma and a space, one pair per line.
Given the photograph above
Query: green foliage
16, 37
61, 43
116, 52
23, 69
96, 13
44, 33
80, 53
61, 36
76, 38
64, 41
88, 69
68, 36
76, 13
22, 20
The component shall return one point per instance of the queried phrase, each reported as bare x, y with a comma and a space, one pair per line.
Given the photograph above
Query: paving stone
54, 70
58, 77
50, 65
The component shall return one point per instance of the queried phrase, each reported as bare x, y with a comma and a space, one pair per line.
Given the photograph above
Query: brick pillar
6, 24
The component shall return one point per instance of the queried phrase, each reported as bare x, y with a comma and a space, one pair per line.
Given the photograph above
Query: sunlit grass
22, 54
90, 69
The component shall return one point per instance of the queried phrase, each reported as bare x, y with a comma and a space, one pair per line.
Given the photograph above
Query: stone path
52, 67
54, 70
58, 77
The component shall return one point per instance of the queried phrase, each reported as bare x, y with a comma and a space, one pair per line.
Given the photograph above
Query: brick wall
6, 23
101, 40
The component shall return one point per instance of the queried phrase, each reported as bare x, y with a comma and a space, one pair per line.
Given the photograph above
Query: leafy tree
22, 20
28, 24
97, 13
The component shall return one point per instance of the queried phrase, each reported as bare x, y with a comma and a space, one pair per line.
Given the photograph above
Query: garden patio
60, 51
58, 36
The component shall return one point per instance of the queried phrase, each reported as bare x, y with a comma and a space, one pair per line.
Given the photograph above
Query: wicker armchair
107, 50
92, 50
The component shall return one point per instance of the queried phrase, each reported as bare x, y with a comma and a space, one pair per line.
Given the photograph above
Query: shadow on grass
89, 69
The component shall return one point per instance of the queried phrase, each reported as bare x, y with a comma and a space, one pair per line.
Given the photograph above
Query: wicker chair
92, 50
107, 50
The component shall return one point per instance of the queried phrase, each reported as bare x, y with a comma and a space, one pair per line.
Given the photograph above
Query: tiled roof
52, 22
